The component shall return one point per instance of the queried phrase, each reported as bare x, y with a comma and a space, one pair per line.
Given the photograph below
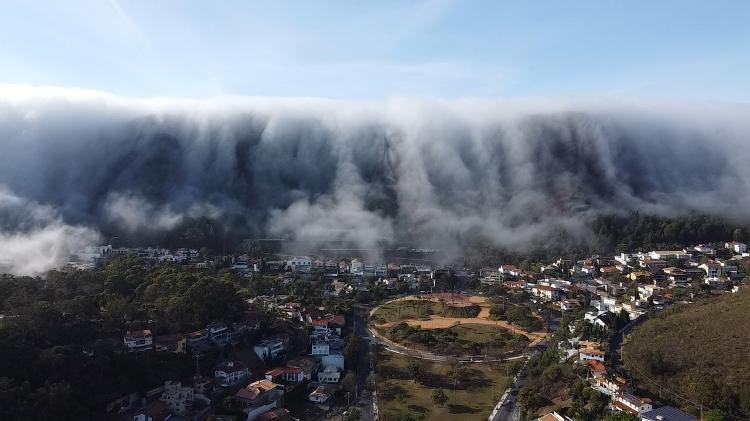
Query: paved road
365, 376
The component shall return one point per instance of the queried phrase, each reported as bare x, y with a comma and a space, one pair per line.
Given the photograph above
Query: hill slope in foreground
697, 354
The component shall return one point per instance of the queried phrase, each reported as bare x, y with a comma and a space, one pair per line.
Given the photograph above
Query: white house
330, 374
271, 349
510, 270
321, 394
333, 359
299, 264
737, 247
585, 354
177, 397
139, 340
545, 292
631, 404
320, 348
712, 269
357, 268
669, 254
230, 373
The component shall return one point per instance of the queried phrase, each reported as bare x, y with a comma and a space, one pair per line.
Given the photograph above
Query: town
320, 337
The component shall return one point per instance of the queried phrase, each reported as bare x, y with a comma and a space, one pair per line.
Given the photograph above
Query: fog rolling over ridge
76, 164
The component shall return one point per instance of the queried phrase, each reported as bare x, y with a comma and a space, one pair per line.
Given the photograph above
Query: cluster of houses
259, 394
626, 282
631, 283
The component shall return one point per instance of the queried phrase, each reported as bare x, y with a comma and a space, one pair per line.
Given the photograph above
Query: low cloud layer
437, 173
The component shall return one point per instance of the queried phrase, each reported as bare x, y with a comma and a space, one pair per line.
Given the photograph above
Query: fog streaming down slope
439, 173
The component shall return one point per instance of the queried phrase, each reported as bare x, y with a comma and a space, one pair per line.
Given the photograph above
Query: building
736, 247
569, 304
259, 397
299, 264
667, 413
545, 292
630, 403
509, 270
154, 411
219, 333
335, 359
330, 374
179, 398
139, 340
271, 349
231, 373
176, 343
321, 394
553, 416
669, 254
585, 354
320, 348
357, 268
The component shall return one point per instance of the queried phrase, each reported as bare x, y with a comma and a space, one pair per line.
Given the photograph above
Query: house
154, 411
301, 369
597, 368
199, 339
335, 359
569, 304
631, 404
653, 265
667, 413
553, 416
259, 397
509, 270
299, 264
271, 349
320, 348
736, 247
321, 394
669, 254
545, 292
179, 398
607, 271
640, 276
610, 385
357, 268
176, 343
139, 340
219, 333
280, 414
705, 249
230, 373
712, 269
330, 374
585, 354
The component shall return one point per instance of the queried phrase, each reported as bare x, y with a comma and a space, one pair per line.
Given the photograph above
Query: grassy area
405, 310
401, 398
460, 339
699, 351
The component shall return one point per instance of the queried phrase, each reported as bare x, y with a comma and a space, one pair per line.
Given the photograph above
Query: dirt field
438, 322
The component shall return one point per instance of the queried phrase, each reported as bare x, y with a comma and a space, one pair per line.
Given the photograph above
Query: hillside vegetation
699, 351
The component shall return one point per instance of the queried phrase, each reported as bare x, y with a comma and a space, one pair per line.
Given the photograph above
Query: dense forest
48, 322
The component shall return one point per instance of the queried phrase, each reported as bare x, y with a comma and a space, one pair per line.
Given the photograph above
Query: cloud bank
437, 173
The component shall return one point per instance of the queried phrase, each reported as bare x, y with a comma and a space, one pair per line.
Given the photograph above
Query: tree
439, 397
714, 415
416, 370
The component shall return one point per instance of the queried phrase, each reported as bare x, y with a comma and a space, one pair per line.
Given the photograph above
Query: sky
445, 49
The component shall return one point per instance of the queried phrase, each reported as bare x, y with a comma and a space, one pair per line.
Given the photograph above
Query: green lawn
461, 339
399, 397
405, 309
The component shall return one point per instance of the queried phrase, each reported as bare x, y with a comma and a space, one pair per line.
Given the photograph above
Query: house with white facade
230, 373
139, 340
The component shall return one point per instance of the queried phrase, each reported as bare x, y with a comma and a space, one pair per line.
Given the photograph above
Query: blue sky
372, 50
